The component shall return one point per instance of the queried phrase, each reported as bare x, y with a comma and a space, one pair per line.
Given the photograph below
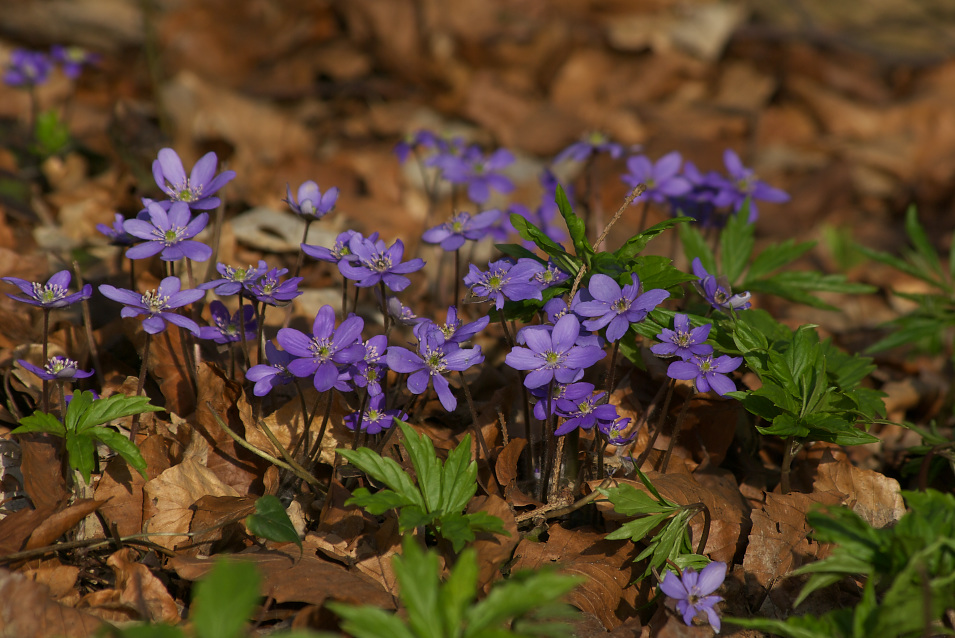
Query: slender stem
46, 354
317, 448
707, 519
361, 417
457, 277
259, 309
301, 254
478, 435
643, 215
793, 446
132, 274
676, 432
554, 485
507, 333
550, 442
344, 296
384, 305
134, 428
600, 446
656, 432
613, 368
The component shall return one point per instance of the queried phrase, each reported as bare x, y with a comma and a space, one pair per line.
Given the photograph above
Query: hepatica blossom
269, 290
53, 294
198, 188
717, 291
375, 418
616, 307
683, 341
456, 331
481, 174
584, 413
157, 305
72, 59
116, 233
338, 251
272, 374
234, 280
27, 68
615, 431
706, 372
694, 592
505, 280
662, 177
57, 369
452, 234
311, 203
553, 355
594, 144
372, 263
168, 233
320, 354
743, 184
229, 328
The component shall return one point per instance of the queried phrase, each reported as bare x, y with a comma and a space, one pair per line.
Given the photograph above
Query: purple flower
585, 413
694, 592
56, 369
683, 342
268, 290
456, 331
505, 280
433, 358
617, 308
367, 373
235, 279
452, 234
72, 59
553, 355
662, 178
273, 374
337, 252
717, 291
481, 174
569, 391
27, 68
320, 354
228, 328
742, 184
375, 418
52, 294
373, 263
613, 430
116, 234
401, 314
414, 141
156, 304
550, 276
311, 203
168, 234
706, 372
595, 143
196, 190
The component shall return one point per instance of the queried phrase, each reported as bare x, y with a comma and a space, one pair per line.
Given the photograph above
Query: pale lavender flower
419, 139
53, 294
72, 59
617, 307
694, 592
168, 234
706, 372
269, 290
553, 355
480, 174
584, 413
569, 391
116, 234
198, 189
456, 331
157, 304
583, 150
320, 354
311, 203
683, 342
662, 178
505, 280
614, 431
57, 369
27, 68
452, 234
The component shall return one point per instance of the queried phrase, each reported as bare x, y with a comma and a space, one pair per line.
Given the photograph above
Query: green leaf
522, 593
630, 501
459, 477
575, 225
736, 246
271, 521
530, 232
51, 134
458, 592
655, 271
637, 243
637, 529
370, 622
695, 246
101, 411
40, 422
426, 465
923, 246
77, 409
455, 528
384, 470
381, 501
482, 521
775, 257
412, 516
516, 251
81, 454
225, 599
120, 444
418, 574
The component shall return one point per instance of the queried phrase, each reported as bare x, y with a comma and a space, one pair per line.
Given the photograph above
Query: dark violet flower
235, 279
698, 201
717, 291
706, 372
662, 178
553, 355
452, 234
617, 308
273, 374
27, 68
372, 263
614, 431
320, 355
368, 372
228, 328
683, 342
376, 418
505, 280
433, 358
311, 203
585, 413
198, 189
481, 174
583, 150
743, 184
269, 290
694, 592
456, 331
570, 391
168, 234
550, 276
52, 294
56, 369
156, 304
72, 59
116, 234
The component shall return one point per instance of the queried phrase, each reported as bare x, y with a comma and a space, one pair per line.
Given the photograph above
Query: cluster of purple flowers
28, 68
696, 357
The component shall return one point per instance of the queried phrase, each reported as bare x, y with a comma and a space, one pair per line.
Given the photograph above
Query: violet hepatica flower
337, 252
368, 372
414, 141
235, 279
400, 313
320, 354
662, 178
311, 203
376, 418
505, 280
456, 331
157, 304
27, 68
433, 358
273, 374
743, 184
569, 391
452, 234
717, 291
373, 263
683, 341
269, 290
52, 294
583, 150
614, 431
72, 59
694, 592
168, 233
706, 372
481, 174
198, 189
229, 328
57, 369
553, 355
584, 413
116, 234
617, 307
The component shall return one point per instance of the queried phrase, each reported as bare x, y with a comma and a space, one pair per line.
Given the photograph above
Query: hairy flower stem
315, 452
792, 448
361, 417
457, 278
344, 296
656, 432
134, 427
554, 485
550, 444
384, 306
612, 369
259, 309
707, 519
46, 354
643, 216
88, 326
478, 435
676, 432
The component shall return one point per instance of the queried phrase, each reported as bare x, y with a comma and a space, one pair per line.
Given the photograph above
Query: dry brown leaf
59, 578
607, 566
493, 550
61, 522
168, 364
16, 528
170, 496
874, 496
139, 589
210, 521
26, 609
40, 464
505, 468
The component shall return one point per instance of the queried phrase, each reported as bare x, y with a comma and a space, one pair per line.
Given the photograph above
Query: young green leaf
736, 246
271, 521
120, 444
575, 225
40, 422
387, 471
695, 246
224, 600
81, 454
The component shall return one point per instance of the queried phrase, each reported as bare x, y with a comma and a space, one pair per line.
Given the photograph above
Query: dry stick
676, 432
554, 510
478, 435
555, 470
134, 428
793, 446
85, 307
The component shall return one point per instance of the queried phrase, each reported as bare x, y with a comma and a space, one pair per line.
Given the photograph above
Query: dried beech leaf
27, 610
493, 549
139, 588
61, 522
